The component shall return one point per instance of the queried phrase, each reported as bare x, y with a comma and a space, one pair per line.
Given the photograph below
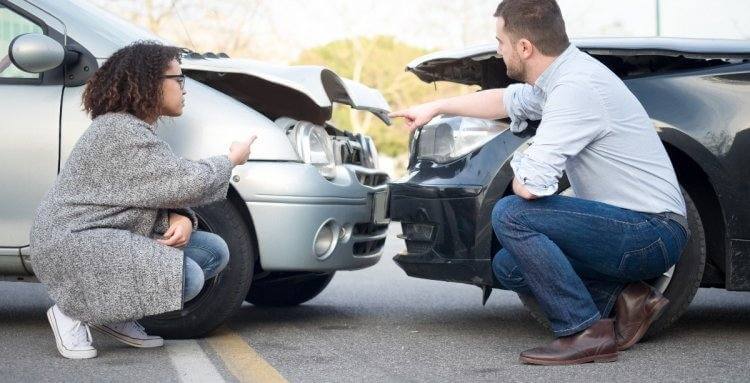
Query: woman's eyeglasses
180, 78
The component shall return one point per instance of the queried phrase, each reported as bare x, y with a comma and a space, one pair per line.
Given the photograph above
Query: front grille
348, 154
369, 229
368, 247
372, 180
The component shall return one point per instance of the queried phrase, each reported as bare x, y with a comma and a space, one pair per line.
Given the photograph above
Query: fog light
418, 231
326, 239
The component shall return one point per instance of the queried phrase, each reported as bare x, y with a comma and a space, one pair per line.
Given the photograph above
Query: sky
437, 24
280, 29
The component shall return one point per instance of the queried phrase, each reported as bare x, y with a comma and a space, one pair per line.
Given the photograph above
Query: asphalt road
378, 324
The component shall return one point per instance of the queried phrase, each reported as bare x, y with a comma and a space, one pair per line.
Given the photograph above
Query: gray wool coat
93, 241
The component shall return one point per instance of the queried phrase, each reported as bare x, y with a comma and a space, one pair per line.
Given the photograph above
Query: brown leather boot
637, 307
594, 344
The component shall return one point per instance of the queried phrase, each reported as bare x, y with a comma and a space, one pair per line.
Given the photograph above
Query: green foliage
377, 62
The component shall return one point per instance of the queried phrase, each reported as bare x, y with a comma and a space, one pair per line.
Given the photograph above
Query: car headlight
369, 152
314, 146
447, 138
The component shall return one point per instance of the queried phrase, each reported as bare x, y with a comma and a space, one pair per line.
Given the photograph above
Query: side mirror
36, 53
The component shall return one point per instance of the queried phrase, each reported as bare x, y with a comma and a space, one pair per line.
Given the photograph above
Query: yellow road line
241, 360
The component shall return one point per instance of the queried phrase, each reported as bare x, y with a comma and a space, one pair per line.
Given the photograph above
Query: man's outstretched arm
486, 104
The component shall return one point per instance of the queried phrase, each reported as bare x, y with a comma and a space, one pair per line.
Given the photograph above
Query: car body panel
28, 155
700, 113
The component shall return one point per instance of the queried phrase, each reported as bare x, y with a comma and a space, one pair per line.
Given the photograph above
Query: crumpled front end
305, 222
445, 202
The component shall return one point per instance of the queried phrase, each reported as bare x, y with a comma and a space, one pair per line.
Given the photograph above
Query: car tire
681, 287
221, 295
688, 272
288, 289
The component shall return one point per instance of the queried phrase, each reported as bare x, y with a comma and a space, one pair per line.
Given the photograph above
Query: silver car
308, 202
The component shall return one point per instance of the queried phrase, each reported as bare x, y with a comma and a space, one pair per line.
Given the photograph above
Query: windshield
99, 31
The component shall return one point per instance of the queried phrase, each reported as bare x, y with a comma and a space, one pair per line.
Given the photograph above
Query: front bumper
291, 203
457, 248
455, 200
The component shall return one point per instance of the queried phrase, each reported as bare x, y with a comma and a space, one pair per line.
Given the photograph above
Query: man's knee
504, 211
507, 272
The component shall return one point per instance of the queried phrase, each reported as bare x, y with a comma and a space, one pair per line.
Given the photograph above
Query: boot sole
70, 354
658, 310
605, 358
133, 342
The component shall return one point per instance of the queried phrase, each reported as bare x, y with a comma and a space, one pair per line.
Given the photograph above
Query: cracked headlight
447, 138
314, 147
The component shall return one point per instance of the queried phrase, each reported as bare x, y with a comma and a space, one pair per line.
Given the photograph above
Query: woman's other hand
178, 234
240, 150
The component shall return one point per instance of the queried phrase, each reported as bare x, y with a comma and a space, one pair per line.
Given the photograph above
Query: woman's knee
220, 251
217, 249
194, 279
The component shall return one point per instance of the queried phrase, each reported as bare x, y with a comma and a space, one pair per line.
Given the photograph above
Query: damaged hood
301, 92
466, 65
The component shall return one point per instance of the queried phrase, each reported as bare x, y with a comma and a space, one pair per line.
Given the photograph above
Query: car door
29, 130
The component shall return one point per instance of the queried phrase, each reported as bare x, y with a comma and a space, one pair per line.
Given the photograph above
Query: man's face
506, 48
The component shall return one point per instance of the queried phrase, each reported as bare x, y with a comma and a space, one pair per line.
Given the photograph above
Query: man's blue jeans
206, 254
575, 256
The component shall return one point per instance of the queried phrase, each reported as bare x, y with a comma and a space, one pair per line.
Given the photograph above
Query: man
579, 257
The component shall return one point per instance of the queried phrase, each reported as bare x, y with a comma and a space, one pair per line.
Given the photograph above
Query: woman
113, 239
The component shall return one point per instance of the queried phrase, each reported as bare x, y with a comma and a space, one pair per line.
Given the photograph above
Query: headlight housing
314, 147
447, 138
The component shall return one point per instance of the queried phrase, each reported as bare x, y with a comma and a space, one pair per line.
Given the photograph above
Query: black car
696, 91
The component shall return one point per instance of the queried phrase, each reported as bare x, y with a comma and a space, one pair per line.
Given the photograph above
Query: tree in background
201, 25
377, 62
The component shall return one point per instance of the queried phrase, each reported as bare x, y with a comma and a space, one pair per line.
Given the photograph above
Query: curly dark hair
130, 81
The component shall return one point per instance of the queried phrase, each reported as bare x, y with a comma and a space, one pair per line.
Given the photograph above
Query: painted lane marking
242, 360
191, 363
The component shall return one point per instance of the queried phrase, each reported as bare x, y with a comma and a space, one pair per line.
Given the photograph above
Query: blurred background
372, 41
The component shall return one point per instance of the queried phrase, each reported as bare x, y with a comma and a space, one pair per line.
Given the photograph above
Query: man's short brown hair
539, 21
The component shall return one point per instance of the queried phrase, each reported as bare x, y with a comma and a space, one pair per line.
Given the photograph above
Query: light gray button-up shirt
593, 128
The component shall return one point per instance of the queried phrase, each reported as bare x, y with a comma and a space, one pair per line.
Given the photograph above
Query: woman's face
173, 91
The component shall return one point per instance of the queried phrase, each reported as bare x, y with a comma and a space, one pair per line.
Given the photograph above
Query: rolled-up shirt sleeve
573, 118
522, 102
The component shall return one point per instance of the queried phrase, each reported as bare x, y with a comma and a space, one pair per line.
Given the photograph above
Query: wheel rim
661, 283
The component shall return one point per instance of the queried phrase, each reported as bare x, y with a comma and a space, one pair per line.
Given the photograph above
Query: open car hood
301, 92
469, 65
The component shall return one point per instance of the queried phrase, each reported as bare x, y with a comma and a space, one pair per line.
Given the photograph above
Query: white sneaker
130, 333
73, 337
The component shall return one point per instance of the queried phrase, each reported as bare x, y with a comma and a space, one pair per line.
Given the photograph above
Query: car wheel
288, 289
679, 284
221, 295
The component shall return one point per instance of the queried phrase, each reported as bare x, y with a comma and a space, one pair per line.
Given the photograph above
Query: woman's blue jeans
206, 254
575, 256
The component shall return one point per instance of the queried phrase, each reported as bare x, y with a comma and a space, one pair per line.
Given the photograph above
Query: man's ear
525, 48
